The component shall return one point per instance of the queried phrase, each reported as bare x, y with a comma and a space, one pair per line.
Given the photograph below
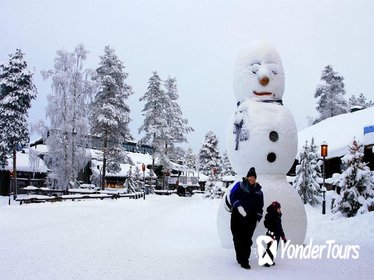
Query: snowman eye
274, 72
254, 67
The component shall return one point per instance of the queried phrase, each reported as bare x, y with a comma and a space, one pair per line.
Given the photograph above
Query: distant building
338, 133
28, 173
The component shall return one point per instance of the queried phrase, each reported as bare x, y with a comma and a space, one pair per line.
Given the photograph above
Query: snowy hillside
162, 237
338, 132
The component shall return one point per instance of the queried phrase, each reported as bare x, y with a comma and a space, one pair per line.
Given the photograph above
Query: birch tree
67, 112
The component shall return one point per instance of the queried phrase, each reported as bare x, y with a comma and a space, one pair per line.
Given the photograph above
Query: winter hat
252, 172
275, 205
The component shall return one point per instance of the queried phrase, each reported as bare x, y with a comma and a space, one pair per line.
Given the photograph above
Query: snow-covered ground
161, 237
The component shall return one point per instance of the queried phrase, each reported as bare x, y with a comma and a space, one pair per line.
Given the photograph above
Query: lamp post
143, 169
10, 185
101, 179
324, 149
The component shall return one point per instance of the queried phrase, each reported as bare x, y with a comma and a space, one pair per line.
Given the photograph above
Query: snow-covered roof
125, 167
139, 158
40, 148
228, 178
203, 177
24, 164
339, 131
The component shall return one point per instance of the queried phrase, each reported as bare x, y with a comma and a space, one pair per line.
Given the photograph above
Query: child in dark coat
273, 224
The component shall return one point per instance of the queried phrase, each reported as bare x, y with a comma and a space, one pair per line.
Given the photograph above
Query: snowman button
273, 136
271, 157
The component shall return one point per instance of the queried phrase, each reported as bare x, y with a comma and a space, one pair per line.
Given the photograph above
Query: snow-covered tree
356, 183
164, 126
138, 179
360, 102
67, 111
209, 156
17, 90
110, 115
190, 159
226, 166
155, 126
150, 181
330, 95
130, 185
308, 172
177, 124
214, 186
178, 154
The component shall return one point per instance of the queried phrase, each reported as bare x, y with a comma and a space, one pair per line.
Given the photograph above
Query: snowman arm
240, 129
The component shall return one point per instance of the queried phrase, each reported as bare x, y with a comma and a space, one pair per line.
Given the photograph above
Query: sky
197, 42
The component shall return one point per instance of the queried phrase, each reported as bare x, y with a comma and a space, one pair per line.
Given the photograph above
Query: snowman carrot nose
264, 81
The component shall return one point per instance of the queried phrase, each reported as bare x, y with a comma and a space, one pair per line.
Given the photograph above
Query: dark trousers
242, 229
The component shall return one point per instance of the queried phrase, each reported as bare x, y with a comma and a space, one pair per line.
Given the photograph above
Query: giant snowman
262, 133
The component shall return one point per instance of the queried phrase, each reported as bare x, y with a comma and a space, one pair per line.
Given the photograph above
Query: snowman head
259, 73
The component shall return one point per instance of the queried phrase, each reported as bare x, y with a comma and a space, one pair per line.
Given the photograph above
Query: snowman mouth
263, 93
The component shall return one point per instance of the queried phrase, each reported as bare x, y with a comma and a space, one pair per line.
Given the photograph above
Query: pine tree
214, 186
110, 115
138, 179
16, 93
164, 126
331, 93
130, 185
190, 159
360, 102
178, 125
155, 125
209, 156
150, 181
356, 183
308, 173
67, 110
178, 154
226, 166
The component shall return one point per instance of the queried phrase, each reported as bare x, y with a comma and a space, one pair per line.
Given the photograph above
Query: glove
242, 211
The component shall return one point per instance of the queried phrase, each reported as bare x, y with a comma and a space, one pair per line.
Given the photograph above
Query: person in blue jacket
247, 202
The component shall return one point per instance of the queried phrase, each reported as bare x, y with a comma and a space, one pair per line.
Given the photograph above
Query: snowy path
157, 238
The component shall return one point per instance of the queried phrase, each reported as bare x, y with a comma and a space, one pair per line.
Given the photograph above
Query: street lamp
324, 149
143, 169
101, 179
10, 185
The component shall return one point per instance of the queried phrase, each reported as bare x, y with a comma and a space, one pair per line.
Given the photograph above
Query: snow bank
161, 237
